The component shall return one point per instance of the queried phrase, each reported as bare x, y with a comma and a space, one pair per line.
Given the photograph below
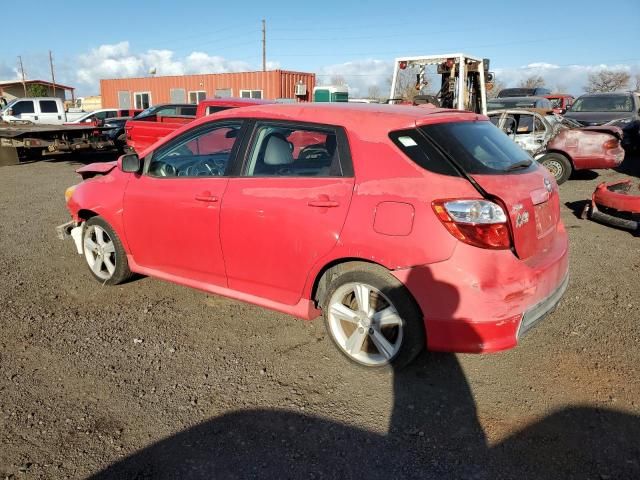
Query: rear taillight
480, 223
609, 144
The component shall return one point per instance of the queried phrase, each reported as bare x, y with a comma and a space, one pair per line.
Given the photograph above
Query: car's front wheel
104, 253
372, 318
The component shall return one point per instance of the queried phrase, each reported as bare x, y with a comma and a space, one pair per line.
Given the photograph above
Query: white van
38, 110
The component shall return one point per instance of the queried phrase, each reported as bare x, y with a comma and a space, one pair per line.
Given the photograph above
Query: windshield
555, 102
604, 103
479, 147
8, 105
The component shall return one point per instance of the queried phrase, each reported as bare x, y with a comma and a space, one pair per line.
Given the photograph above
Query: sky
563, 41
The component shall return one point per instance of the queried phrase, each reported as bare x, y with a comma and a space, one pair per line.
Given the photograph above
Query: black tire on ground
122, 273
559, 166
413, 340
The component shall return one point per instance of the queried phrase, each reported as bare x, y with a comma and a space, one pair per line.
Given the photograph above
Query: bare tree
607, 81
338, 80
637, 80
560, 88
374, 92
494, 88
533, 81
406, 85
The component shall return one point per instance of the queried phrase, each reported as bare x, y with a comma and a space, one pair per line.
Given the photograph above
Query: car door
50, 113
24, 110
286, 209
172, 210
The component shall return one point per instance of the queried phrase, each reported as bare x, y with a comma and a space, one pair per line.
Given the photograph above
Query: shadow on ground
434, 432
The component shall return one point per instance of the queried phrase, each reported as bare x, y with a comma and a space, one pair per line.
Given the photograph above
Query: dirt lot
153, 380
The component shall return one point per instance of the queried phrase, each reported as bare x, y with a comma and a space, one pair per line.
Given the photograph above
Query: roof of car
517, 99
606, 94
350, 115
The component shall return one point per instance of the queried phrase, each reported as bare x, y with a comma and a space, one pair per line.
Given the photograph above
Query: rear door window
478, 147
48, 106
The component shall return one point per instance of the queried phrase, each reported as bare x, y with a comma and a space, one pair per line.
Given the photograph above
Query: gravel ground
153, 380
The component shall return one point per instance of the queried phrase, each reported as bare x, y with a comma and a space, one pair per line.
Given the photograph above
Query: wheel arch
324, 275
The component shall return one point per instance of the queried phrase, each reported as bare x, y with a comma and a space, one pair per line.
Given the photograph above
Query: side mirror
10, 112
130, 163
567, 108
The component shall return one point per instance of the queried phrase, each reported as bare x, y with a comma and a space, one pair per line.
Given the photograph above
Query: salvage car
144, 130
561, 145
560, 102
620, 109
403, 226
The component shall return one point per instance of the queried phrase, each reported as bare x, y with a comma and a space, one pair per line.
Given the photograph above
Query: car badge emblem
547, 185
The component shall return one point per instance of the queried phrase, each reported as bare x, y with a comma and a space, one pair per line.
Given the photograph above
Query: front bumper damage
71, 229
614, 204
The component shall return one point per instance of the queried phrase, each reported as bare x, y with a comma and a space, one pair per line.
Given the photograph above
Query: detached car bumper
613, 204
485, 300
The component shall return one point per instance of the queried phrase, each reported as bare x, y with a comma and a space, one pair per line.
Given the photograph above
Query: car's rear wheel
559, 166
372, 318
104, 253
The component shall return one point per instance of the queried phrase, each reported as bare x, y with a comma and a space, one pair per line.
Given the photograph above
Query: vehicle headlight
69, 192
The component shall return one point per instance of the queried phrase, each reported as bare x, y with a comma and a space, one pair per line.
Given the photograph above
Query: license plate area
544, 219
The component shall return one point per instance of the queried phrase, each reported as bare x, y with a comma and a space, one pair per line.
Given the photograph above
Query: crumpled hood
93, 169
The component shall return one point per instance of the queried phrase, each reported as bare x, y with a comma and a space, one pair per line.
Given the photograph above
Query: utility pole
53, 77
264, 45
24, 85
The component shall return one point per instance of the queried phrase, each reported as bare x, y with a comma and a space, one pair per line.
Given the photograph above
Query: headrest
278, 151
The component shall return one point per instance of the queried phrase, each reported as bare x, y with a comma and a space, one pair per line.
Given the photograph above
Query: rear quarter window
415, 146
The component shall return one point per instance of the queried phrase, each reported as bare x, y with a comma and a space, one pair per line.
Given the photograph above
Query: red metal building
148, 91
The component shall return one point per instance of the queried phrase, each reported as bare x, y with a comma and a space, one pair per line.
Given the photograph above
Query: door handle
206, 197
323, 203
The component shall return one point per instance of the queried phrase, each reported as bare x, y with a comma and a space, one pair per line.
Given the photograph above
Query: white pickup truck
38, 110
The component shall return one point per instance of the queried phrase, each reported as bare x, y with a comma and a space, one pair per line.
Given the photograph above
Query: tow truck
463, 80
21, 142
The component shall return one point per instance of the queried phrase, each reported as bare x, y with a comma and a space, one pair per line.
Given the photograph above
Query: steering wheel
312, 152
167, 170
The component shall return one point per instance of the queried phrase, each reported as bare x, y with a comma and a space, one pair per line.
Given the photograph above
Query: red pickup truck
144, 131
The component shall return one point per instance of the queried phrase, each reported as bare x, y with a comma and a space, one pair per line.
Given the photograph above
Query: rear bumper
483, 301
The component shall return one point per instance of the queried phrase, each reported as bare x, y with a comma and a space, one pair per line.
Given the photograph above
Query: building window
142, 100
251, 93
197, 96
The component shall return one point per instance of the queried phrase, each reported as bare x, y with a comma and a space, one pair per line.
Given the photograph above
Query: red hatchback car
403, 226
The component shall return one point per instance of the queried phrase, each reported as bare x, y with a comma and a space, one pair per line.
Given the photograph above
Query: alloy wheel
365, 324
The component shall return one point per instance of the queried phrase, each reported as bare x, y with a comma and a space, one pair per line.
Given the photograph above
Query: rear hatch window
479, 147
501, 169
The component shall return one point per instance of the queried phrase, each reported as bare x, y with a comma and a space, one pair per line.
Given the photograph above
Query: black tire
559, 166
413, 332
118, 258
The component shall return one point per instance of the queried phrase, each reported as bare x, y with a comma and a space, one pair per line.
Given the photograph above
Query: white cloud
118, 61
360, 75
571, 78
